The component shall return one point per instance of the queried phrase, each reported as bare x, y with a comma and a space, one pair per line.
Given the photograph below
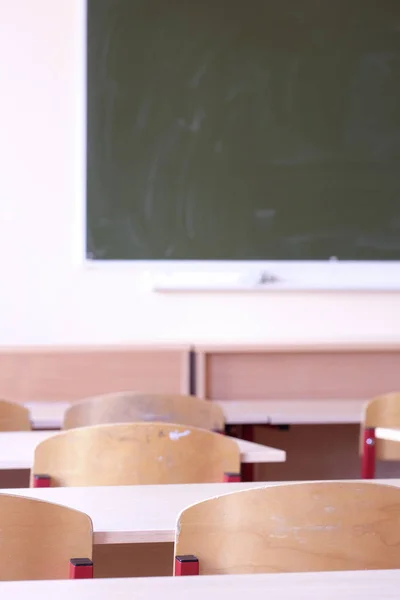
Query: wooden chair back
38, 538
131, 407
325, 526
14, 417
135, 453
382, 411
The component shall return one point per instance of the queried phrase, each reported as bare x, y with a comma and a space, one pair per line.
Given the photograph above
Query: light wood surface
39, 538
17, 449
346, 585
383, 412
50, 415
66, 373
129, 407
296, 371
318, 526
136, 454
140, 514
14, 417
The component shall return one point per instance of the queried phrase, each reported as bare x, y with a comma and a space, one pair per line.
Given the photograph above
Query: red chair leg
186, 564
368, 455
41, 481
232, 477
80, 568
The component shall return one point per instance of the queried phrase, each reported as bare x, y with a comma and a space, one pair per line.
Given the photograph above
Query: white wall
46, 295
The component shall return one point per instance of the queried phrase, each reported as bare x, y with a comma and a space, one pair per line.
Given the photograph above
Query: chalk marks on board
200, 72
264, 213
194, 124
269, 132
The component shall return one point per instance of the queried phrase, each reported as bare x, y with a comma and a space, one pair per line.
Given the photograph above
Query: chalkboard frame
239, 276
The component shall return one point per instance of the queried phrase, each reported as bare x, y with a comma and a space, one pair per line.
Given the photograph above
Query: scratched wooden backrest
326, 526
39, 538
136, 453
14, 417
383, 411
128, 407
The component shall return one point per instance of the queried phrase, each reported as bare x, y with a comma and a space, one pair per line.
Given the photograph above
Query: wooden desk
17, 449
346, 585
133, 514
296, 370
292, 412
249, 413
65, 373
140, 513
50, 415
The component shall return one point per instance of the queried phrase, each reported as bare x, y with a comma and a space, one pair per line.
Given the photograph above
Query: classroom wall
47, 295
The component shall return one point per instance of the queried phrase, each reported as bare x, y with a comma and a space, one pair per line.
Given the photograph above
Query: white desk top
140, 513
17, 449
315, 412
346, 585
50, 415
292, 412
383, 433
47, 415
133, 514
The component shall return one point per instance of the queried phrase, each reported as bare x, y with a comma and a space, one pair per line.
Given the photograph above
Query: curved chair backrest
14, 417
131, 407
135, 453
326, 526
38, 538
383, 411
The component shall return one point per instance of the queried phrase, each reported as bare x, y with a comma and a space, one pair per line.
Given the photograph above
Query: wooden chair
41, 540
131, 407
14, 417
134, 453
326, 526
383, 411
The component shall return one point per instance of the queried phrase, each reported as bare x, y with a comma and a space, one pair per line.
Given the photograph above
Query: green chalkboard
232, 130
